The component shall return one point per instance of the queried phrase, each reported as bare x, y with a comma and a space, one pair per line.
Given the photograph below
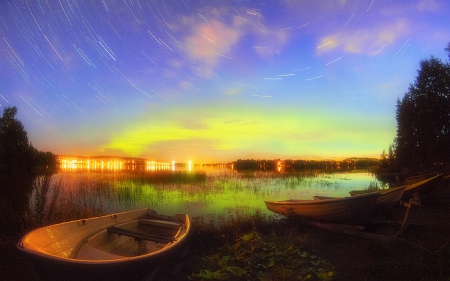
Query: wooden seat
160, 223
141, 235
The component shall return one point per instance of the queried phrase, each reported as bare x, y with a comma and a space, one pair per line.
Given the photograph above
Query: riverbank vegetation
20, 164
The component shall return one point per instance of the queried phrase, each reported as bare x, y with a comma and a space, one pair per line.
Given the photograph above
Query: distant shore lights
112, 164
89, 164
156, 165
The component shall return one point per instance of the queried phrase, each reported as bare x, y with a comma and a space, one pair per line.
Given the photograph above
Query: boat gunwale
385, 191
417, 185
318, 202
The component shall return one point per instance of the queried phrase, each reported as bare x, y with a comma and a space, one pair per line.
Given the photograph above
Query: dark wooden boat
414, 179
424, 187
388, 197
350, 210
122, 246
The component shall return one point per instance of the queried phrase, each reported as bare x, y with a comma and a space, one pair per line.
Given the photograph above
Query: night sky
214, 81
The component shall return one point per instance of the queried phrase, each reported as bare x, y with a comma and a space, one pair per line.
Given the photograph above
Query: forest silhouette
20, 164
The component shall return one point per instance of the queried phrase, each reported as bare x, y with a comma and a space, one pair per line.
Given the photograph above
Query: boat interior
134, 238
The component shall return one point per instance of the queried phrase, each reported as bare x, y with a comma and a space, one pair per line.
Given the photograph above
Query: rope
416, 245
431, 253
441, 248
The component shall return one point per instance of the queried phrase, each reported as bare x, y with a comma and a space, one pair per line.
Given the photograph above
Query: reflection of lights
279, 166
190, 166
113, 164
156, 165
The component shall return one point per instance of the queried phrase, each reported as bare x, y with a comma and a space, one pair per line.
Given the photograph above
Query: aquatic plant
263, 257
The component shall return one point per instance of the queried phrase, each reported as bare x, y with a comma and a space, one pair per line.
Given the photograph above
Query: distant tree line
422, 141
252, 164
288, 165
20, 163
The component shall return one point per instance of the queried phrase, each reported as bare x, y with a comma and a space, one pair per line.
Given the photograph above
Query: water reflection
200, 189
117, 165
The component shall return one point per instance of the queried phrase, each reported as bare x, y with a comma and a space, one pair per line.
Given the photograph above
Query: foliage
18, 167
14, 147
423, 118
257, 257
250, 165
15, 170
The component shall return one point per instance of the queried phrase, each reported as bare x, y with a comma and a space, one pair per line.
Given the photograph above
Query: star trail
214, 81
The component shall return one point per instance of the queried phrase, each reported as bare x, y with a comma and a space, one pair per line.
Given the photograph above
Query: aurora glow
214, 81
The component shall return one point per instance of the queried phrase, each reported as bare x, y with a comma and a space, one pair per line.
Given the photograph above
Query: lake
201, 191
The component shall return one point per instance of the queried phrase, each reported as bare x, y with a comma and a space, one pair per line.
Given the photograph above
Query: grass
50, 204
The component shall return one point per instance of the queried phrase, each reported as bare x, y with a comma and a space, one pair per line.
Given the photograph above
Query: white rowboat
122, 246
349, 210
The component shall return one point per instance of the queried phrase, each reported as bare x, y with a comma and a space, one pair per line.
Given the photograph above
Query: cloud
215, 36
368, 41
211, 40
328, 43
209, 43
430, 6
233, 91
267, 40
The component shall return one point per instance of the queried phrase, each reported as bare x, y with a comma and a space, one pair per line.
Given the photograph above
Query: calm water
202, 191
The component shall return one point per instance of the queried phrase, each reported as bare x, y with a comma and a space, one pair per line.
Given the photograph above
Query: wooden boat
122, 246
424, 187
349, 210
418, 178
388, 197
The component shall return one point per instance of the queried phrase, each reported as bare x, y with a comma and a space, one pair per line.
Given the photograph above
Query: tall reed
50, 203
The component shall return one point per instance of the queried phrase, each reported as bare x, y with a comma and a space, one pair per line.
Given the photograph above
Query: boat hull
388, 197
60, 271
423, 188
350, 210
76, 250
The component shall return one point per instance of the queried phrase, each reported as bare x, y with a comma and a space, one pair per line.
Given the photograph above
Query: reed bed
76, 195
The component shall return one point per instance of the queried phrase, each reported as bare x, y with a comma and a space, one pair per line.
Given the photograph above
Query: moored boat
122, 246
414, 179
424, 187
349, 210
388, 197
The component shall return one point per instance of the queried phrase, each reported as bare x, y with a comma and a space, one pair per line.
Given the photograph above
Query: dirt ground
421, 252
